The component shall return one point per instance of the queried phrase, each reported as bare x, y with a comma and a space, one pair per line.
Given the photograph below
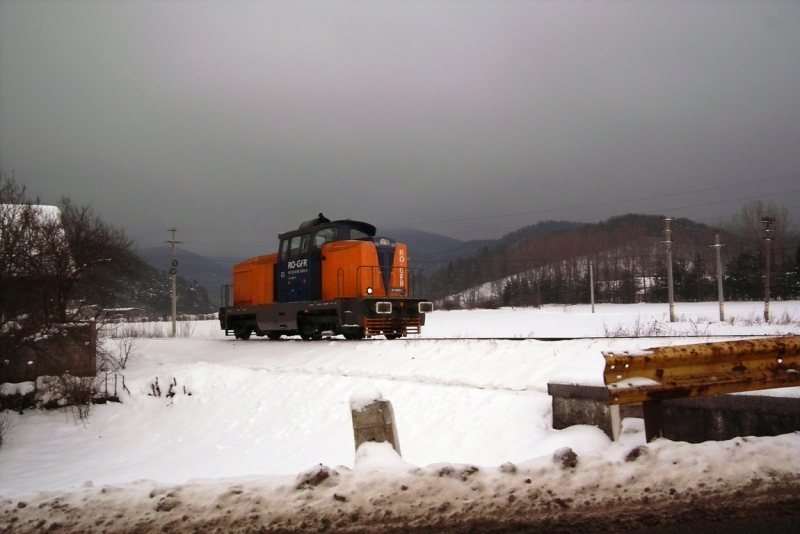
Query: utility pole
717, 246
591, 283
668, 243
767, 239
173, 272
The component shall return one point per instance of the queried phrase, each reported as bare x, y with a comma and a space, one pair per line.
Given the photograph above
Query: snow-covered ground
254, 414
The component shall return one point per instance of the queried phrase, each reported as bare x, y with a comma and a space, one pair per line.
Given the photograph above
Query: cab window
284, 248
324, 236
305, 243
294, 246
357, 234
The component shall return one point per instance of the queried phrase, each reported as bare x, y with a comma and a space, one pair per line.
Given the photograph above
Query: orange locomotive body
350, 267
328, 277
253, 281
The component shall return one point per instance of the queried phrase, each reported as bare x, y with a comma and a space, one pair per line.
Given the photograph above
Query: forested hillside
200, 270
627, 255
151, 290
433, 251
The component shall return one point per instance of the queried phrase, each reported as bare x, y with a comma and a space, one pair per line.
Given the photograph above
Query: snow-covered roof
44, 212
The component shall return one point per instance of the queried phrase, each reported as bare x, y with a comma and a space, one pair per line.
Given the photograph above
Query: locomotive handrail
413, 286
340, 283
704, 369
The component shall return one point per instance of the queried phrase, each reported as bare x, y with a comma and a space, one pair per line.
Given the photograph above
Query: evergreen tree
743, 278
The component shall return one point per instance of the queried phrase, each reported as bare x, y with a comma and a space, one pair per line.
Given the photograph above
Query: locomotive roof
305, 228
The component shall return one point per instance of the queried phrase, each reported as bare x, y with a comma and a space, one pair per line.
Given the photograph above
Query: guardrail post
373, 419
653, 420
616, 422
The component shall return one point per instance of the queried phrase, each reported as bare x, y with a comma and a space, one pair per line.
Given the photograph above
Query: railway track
534, 338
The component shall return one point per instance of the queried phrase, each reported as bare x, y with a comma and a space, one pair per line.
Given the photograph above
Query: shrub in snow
17, 397
78, 393
449, 305
75, 394
155, 389
116, 354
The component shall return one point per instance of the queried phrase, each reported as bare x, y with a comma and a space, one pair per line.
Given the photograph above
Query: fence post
373, 419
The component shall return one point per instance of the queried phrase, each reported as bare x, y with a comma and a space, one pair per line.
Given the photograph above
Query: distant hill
434, 251
541, 228
548, 263
208, 273
425, 249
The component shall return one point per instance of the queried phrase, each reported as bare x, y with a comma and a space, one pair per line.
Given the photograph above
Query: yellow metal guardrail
702, 370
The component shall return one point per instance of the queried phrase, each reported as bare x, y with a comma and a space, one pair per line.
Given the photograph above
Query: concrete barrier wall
723, 417
575, 404
694, 420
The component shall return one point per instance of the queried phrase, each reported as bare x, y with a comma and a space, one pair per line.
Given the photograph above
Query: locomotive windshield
294, 246
324, 236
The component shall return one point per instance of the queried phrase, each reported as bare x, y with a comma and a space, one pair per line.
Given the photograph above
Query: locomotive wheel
355, 336
391, 336
242, 332
309, 331
274, 336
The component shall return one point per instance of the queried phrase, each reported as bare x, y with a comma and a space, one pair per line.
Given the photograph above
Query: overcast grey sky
233, 121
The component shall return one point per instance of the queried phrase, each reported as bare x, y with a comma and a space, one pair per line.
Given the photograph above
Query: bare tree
55, 264
102, 257
17, 217
747, 224
747, 266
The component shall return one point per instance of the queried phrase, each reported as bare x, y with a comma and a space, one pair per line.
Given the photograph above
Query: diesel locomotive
332, 277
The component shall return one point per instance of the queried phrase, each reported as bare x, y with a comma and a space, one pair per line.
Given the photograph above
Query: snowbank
245, 417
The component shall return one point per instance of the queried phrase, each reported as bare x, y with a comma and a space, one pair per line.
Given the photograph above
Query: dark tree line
628, 260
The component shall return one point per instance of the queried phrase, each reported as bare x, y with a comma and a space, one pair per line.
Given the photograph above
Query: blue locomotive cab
299, 272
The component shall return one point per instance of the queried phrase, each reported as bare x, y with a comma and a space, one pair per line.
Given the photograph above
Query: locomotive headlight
384, 242
425, 307
369, 291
